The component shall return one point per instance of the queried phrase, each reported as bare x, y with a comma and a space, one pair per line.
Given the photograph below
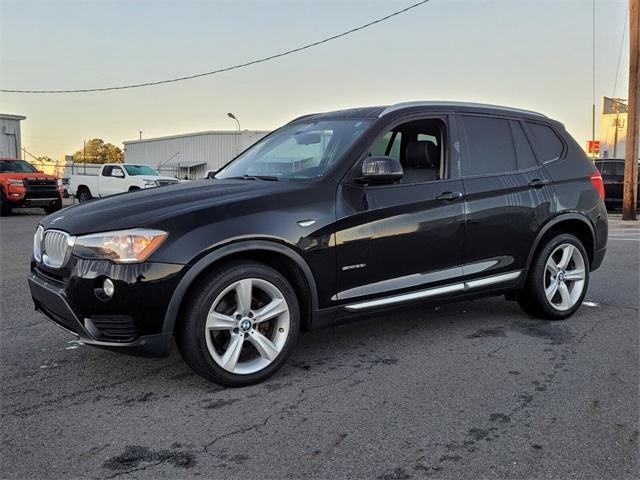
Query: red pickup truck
23, 186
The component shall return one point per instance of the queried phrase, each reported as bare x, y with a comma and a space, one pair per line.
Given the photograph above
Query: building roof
194, 134
9, 116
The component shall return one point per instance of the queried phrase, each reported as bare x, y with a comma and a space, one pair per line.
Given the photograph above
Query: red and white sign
593, 146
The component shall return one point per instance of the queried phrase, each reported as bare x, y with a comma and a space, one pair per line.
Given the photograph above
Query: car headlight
123, 246
37, 243
150, 183
16, 182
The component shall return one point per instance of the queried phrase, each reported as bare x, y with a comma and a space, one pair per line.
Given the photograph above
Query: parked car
612, 171
115, 178
333, 216
23, 186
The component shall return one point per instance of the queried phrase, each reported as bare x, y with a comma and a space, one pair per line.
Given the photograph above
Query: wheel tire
5, 208
84, 195
533, 299
193, 343
53, 208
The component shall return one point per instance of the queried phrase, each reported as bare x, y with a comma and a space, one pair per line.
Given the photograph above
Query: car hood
155, 206
22, 176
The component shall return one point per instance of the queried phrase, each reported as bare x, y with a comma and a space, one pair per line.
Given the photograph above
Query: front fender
238, 247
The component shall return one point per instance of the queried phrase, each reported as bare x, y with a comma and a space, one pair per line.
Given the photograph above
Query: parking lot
473, 389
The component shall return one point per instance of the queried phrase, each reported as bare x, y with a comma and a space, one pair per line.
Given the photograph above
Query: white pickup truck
115, 178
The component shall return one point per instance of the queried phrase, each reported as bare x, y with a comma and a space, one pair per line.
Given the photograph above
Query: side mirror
117, 174
381, 170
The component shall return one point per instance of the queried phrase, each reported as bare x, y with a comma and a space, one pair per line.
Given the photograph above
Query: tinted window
611, 168
619, 168
134, 170
16, 166
106, 171
490, 146
524, 153
546, 141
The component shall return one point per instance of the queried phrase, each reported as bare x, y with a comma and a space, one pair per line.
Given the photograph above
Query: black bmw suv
333, 216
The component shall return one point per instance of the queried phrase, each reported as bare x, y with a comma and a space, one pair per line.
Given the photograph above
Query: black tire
133, 189
53, 208
5, 208
532, 298
84, 194
190, 336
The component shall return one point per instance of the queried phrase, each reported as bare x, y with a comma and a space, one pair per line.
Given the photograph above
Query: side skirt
436, 291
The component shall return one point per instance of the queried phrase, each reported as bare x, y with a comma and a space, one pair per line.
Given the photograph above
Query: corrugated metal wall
10, 141
215, 148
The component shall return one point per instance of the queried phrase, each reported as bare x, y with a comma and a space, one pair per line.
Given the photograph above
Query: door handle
449, 196
538, 183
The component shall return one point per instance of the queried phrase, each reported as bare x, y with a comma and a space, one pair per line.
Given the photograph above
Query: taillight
598, 184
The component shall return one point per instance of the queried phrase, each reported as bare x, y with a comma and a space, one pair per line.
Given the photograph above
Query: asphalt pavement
466, 390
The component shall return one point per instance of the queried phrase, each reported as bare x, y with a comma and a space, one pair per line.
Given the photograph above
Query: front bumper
129, 322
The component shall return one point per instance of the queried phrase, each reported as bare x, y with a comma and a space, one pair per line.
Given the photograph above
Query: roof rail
398, 106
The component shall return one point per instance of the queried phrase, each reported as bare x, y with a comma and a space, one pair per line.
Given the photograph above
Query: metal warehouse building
10, 141
190, 155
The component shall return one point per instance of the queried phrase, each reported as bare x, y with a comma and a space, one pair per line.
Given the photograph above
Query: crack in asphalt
26, 410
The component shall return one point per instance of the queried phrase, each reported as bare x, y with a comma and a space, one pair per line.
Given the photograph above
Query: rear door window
491, 148
545, 141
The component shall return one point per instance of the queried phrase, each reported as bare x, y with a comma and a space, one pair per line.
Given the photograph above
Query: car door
405, 237
112, 181
507, 199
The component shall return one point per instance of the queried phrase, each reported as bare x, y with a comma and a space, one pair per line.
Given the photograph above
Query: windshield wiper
255, 177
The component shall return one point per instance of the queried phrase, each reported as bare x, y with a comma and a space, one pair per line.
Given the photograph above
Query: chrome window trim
435, 291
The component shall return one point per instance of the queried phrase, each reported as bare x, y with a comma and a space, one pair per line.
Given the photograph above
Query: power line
624, 30
615, 82
233, 67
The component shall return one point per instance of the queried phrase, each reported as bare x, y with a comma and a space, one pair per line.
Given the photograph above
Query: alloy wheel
564, 276
247, 326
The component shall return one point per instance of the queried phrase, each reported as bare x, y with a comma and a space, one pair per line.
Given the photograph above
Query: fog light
108, 288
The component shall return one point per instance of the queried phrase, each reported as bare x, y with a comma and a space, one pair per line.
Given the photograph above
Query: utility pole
630, 194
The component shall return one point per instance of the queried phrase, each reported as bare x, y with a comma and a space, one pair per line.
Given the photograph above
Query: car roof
433, 105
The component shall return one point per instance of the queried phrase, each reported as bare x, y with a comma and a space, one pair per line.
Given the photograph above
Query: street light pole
231, 115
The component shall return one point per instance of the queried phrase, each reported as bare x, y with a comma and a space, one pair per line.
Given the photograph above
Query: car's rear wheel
558, 279
84, 194
240, 324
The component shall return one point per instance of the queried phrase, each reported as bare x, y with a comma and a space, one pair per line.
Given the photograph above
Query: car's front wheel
57, 205
240, 324
558, 279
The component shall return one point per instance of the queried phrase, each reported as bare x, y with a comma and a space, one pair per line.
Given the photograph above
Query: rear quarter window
546, 142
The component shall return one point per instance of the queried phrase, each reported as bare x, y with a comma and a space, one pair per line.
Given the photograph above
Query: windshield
16, 166
140, 170
299, 151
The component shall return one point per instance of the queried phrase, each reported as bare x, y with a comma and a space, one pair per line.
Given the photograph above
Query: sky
529, 54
